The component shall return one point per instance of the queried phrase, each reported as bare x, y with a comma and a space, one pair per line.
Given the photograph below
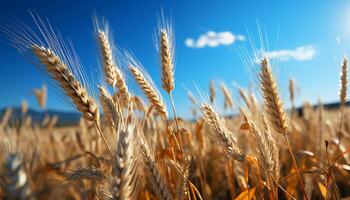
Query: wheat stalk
342, 96
228, 101
149, 91
114, 76
222, 134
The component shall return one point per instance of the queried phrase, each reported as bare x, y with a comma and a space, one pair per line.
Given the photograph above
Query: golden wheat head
166, 55
343, 81
69, 84
113, 74
158, 182
150, 92
228, 101
266, 147
222, 134
41, 96
273, 104
107, 57
125, 167
111, 110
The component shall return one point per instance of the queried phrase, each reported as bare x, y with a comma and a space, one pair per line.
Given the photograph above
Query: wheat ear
275, 112
24, 107
228, 101
266, 147
107, 57
125, 168
343, 82
114, 76
273, 103
222, 134
166, 55
5, 118
41, 96
212, 92
14, 180
69, 84
167, 60
111, 110
342, 96
157, 180
183, 189
90, 173
149, 91
138, 104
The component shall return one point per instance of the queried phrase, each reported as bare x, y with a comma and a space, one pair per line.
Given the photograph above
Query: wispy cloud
301, 53
214, 39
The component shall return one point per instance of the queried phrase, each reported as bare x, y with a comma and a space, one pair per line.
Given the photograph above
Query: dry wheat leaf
245, 126
323, 189
246, 194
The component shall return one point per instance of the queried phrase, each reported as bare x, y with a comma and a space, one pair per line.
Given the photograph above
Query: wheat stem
103, 137
296, 167
174, 112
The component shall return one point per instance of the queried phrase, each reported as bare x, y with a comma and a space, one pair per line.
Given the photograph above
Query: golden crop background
133, 150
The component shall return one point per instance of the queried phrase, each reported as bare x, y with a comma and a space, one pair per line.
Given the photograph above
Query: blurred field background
222, 113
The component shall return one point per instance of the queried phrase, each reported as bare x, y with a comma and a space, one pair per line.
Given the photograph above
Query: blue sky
301, 34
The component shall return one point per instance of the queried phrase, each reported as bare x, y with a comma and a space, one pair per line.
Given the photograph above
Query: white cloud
214, 39
301, 53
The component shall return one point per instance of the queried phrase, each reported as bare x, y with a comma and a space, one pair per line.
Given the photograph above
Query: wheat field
129, 146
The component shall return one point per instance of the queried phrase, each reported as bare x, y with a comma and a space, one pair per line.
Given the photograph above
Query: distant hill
299, 110
65, 118
328, 106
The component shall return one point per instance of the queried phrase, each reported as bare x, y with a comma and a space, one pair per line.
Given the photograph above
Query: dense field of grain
127, 147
